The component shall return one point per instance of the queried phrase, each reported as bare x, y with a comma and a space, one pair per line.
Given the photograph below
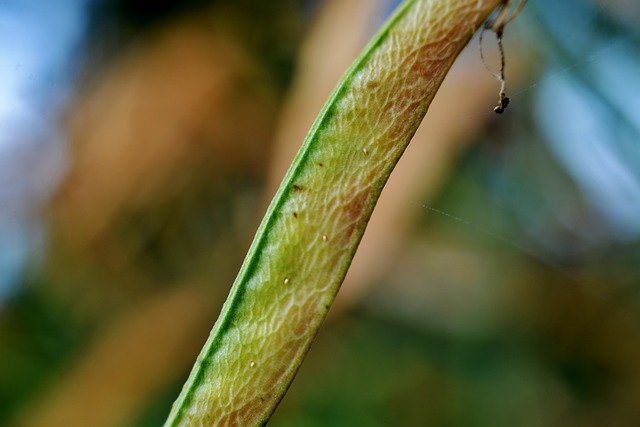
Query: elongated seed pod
306, 242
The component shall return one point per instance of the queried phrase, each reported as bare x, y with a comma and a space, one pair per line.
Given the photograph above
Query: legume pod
306, 242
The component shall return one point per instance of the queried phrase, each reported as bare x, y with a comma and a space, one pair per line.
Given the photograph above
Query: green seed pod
306, 242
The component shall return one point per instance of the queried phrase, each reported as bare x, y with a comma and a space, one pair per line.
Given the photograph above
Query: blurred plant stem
142, 340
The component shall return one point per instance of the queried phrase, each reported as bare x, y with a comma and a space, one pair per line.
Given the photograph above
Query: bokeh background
140, 142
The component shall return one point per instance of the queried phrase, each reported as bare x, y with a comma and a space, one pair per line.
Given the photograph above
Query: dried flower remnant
497, 24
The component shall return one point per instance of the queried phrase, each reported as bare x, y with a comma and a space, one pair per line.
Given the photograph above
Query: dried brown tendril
497, 23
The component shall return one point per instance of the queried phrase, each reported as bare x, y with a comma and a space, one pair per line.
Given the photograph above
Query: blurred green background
497, 285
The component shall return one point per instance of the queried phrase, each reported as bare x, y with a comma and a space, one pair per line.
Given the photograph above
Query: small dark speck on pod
372, 84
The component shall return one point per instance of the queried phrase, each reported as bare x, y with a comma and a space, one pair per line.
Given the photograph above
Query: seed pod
306, 242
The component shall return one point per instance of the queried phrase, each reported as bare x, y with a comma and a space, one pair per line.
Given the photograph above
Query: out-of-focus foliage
497, 284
